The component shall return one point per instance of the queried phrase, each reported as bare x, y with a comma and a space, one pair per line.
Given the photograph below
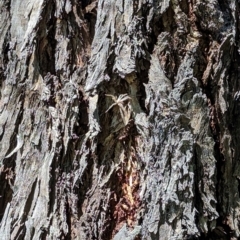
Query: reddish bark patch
125, 211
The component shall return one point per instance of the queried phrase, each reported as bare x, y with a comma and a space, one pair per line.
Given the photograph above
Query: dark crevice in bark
197, 178
166, 22
82, 127
220, 180
45, 53
85, 3
234, 122
62, 162
5, 50
227, 13
21, 233
7, 5
143, 62
184, 5
238, 186
29, 201
2, 78
6, 192
52, 185
69, 221
206, 33
90, 15
43, 234
141, 94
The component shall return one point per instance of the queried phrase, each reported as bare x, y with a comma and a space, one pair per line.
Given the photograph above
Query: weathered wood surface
119, 119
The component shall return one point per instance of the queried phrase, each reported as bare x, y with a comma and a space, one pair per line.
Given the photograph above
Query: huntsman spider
125, 114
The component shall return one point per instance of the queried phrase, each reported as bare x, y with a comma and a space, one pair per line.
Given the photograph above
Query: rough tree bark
119, 119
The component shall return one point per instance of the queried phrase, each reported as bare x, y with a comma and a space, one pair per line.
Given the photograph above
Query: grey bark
119, 119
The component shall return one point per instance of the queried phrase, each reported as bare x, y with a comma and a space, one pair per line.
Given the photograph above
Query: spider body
124, 110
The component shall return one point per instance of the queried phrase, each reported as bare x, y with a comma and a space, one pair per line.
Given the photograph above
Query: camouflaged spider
125, 113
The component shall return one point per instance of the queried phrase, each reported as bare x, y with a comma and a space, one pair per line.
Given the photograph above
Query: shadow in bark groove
5, 191
46, 42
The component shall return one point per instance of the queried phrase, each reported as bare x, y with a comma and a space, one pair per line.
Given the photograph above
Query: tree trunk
119, 119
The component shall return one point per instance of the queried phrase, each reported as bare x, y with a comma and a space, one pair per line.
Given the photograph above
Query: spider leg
111, 107
123, 113
113, 97
124, 99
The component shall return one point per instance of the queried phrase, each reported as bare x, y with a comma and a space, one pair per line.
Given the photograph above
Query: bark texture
119, 119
